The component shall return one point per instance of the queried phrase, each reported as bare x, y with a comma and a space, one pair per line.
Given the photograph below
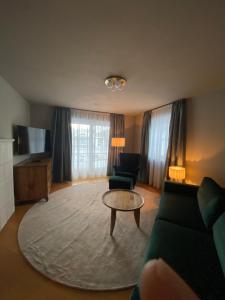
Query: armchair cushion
126, 174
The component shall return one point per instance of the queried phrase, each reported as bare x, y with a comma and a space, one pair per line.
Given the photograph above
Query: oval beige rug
67, 239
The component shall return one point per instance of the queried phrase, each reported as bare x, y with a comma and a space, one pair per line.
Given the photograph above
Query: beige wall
206, 137
129, 133
13, 110
41, 115
133, 125
137, 132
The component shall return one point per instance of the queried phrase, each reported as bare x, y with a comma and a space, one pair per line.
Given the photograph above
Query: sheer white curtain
90, 140
158, 144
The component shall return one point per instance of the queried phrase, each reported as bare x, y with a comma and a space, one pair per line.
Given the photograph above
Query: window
90, 140
158, 144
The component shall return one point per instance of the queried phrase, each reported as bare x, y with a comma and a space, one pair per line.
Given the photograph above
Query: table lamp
177, 173
118, 142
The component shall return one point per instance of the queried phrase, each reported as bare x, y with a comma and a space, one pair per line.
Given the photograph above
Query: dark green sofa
194, 246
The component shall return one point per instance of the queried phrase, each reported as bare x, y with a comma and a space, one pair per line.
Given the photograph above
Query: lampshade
118, 142
177, 173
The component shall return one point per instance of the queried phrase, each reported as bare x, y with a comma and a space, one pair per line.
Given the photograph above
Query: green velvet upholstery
126, 174
180, 209
180, 188
219, 239
180, 237
191, 254
120, 182
211, 201
129, 166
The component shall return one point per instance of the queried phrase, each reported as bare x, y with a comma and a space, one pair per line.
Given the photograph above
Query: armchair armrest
181, 188
116, 168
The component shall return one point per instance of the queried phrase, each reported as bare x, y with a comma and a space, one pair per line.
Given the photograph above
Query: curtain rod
96, 111
162, 105
165, 104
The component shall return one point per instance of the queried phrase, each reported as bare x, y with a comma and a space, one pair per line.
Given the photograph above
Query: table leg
137, 216
113, 220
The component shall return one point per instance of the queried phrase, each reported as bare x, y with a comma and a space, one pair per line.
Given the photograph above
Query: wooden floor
20, 281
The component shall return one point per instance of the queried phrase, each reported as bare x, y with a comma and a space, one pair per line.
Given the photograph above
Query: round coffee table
123, 200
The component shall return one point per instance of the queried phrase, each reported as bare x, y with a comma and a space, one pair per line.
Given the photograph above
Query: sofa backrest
211, 201
219, 239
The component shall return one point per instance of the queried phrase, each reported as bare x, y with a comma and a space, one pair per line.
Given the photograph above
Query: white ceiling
59, 52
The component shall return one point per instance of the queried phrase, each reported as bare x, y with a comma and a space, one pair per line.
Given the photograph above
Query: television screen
30, 140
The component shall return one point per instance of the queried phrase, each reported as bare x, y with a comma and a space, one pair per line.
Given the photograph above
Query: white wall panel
7, 206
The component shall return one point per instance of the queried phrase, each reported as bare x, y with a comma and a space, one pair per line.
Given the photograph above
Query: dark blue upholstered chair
128, 167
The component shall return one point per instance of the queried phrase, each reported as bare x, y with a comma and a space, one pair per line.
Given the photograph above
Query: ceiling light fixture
115, 83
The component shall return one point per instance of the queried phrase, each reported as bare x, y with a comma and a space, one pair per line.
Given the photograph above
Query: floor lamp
118, 143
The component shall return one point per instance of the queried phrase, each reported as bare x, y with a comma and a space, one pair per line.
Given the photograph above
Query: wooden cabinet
32, 180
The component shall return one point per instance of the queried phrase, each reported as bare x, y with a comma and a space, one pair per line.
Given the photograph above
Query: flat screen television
30, 140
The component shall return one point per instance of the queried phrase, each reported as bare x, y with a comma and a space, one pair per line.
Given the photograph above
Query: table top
123, 200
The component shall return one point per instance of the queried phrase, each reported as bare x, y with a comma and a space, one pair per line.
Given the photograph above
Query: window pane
90, 148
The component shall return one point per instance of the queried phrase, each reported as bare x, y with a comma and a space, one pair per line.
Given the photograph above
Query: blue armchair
129, 166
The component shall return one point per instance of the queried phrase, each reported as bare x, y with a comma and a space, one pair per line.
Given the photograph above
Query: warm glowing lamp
118, 142
177, 173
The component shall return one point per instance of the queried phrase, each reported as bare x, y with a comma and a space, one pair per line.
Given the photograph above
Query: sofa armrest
223, 191
181, 188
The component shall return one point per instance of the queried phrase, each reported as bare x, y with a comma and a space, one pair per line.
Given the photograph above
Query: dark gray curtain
61, 145
144, 165
116, 130
177, 135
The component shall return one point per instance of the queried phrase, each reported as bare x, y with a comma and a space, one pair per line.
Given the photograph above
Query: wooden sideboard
32, 179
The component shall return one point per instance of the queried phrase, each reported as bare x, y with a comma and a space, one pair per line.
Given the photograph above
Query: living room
64, 59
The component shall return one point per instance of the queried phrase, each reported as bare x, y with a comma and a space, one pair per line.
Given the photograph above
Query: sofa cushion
219, 239
191, 254
180, 188
211, 201
180, 209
